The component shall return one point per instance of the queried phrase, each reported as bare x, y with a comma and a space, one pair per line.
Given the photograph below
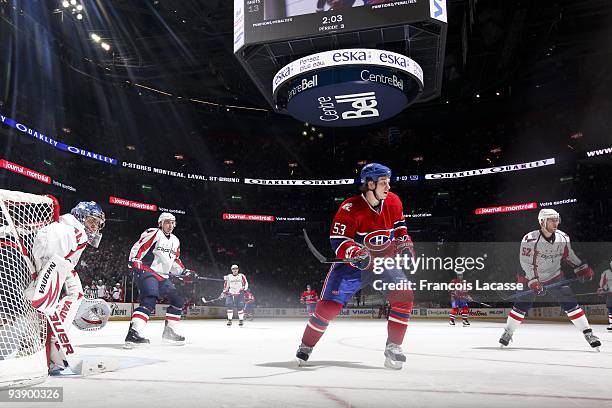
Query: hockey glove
405, 246
536, 287
361, 254
584, 273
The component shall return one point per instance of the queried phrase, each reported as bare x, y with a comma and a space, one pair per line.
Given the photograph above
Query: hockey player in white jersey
541, 254
62, 243
234, 286
155, 257
605, 290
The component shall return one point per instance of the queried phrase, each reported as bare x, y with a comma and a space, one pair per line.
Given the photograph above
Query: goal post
23, 330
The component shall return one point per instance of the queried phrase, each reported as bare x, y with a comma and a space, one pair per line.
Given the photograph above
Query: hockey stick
594, 293
546, 287
483, 304
322, 257
212, 300
210, 279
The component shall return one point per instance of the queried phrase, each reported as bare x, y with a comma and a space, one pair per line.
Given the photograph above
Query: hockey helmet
373, 171
547, 213
165, 216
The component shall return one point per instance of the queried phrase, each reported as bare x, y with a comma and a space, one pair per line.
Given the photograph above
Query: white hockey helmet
165, 216
546, 213
234, 266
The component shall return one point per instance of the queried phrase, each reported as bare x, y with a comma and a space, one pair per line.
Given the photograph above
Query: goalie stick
321, 257
545, 287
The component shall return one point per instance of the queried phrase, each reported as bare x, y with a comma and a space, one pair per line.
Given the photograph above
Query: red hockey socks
325, 312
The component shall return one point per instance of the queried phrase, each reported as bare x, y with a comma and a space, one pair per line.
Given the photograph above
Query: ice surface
548, 365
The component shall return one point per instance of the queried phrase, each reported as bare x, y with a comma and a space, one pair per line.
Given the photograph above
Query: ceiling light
79, 7
105, 46
66, 4
95, 37
73, 2
79, 16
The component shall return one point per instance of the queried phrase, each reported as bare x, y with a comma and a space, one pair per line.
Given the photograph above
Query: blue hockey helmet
373, 171
85, 210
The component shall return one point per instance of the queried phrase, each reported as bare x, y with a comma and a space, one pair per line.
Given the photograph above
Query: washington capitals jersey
358, 224
234, 284
309, 296
541, 258
606, 280
157, 253
66, 238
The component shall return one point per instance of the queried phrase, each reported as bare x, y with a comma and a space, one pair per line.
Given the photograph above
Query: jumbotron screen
258, 21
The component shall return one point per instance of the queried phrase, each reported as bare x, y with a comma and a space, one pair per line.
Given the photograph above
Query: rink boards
596, 313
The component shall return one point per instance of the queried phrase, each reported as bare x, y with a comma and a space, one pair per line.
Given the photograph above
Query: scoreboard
265, 21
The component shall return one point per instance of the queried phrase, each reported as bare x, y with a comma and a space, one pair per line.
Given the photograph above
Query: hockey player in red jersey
459, 299
310, 298
367, 226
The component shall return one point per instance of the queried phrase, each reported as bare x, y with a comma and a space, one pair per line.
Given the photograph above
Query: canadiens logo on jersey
378, 240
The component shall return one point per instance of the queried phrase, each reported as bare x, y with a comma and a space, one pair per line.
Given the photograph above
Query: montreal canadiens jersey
65, 238
234, 284
248, 297
357, 223
459, 294
309, 296
541, 258
158, 254
606, 280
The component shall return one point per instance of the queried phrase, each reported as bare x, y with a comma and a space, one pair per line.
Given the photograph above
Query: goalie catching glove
92, 315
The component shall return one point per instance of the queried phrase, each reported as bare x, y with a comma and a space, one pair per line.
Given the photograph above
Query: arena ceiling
184, 48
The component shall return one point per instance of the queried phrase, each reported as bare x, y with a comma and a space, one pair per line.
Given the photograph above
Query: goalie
56, 251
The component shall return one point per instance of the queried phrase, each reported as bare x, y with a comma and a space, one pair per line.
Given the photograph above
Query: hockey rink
549, 365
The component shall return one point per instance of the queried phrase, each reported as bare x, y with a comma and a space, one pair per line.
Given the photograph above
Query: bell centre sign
350, 87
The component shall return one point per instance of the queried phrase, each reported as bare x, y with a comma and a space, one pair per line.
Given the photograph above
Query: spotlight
73, 2
79, 16
478, 95
95, 37
65, 4
105, 46
79, 7
497, 93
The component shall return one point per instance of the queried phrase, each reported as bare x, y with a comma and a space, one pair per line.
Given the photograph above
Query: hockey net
23, 331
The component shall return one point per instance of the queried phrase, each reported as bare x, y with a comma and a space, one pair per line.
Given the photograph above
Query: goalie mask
90, 214
92, 315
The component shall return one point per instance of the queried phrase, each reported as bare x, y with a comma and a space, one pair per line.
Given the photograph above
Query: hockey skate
302, 354
241, 323
133, 339
466, 323
506, 338
395, 357
451, 322
229, 323
592, 339
609, 328
171, 337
